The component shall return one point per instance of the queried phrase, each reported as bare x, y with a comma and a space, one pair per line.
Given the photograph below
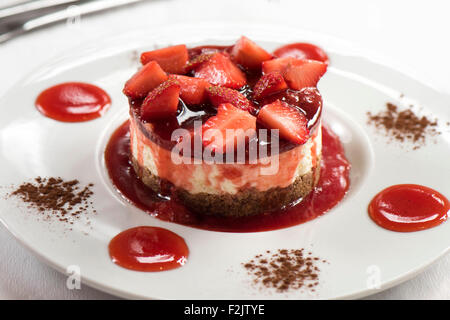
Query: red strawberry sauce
333, 185
73, 102
148, 249
409, 207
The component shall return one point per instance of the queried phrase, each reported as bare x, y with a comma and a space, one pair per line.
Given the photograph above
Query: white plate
357, 249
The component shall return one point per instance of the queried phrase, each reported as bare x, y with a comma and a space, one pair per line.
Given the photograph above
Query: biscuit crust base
245, 203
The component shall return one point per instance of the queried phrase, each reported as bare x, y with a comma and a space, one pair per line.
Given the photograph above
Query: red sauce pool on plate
73, 102
148, 249
302, 50
333, 185
409, 207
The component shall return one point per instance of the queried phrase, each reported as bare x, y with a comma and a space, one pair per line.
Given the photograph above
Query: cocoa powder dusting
285, 269
65, 200
404, 125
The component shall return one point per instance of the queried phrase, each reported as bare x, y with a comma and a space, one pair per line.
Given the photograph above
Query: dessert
226, 131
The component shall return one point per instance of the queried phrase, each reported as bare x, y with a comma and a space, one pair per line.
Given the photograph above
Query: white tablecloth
411, 35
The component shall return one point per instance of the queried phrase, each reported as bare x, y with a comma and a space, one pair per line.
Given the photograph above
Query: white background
411, 36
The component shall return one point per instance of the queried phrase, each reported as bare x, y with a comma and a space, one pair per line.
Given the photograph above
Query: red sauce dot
302, 50
73, 102
148, 249
408, 207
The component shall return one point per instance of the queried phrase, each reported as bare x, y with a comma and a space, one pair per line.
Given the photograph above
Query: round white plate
359, 252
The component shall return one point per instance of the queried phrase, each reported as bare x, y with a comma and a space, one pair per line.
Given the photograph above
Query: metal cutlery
16, 20
32, 6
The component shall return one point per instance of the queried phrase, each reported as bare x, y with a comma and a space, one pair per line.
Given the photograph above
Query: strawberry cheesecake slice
228, 131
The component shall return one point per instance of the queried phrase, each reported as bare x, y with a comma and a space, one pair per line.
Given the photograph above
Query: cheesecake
228, 131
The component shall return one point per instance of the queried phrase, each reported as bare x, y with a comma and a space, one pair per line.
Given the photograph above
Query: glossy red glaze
73, 102
409, 207
148, 249
333, 185
302, 50
308, 100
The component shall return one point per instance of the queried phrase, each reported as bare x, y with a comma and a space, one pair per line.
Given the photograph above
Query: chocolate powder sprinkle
284, 270
56, 197
404, 125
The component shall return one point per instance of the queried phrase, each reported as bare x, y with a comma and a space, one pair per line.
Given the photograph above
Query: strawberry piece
221, 71
228, 117
297, 73
268, 84
171, 59
248, 54
302, 50
304, 73
291, 122
307, 99
279, 65
145, 80
193, 90
218, 95
197, 61
161, 102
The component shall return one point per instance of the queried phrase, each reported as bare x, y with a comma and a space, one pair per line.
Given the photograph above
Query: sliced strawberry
172, 59
248, 54
193, 90
279, 65
220, 70
218, 95
161, 102
197, 61
307, 99
304, 73
268, 84
145, 80
291, 122
302, 50
228, 117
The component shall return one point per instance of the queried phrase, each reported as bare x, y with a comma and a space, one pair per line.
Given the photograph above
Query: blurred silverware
14, 25
31, 6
